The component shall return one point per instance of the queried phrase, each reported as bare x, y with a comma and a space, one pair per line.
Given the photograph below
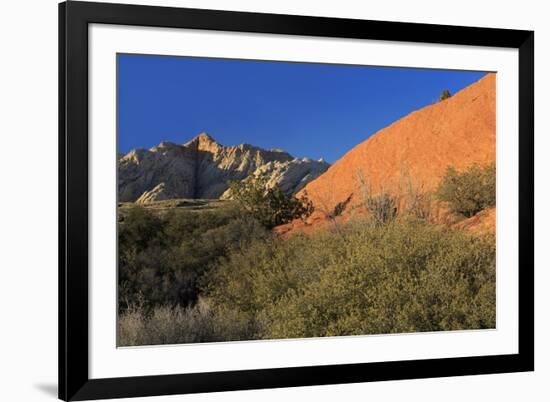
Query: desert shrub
161, 258
140, 229
219, 275
401, 277
420, 205
258, 275
406, 275
269, 204
415, 200
176, 325
469, 192
340, 207
404, 197
445, 94
382, 204
382, 207
183, 224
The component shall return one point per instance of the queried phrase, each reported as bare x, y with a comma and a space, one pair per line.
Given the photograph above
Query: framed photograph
258, 201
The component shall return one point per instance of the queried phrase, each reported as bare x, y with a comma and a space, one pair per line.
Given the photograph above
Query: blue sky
314, 110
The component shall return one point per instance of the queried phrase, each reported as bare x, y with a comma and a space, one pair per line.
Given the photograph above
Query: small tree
269, 204
469, 192
444, 95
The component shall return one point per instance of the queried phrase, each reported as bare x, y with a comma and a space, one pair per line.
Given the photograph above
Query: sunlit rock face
202, 168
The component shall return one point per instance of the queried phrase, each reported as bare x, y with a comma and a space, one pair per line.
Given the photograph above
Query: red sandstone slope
458, 132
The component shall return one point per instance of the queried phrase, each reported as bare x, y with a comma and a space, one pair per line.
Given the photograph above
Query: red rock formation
458, 131
481, 223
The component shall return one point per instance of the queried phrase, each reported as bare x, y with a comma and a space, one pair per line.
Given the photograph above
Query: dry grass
178, 325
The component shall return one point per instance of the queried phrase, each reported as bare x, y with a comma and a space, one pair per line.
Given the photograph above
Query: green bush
404, 276
269, 205
469, 192
161, 258
260, 274
220, 275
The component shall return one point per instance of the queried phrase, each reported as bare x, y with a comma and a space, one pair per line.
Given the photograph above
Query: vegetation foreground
219, 274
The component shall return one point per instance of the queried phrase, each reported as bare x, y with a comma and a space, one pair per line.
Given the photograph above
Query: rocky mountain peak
203, 142
202, 168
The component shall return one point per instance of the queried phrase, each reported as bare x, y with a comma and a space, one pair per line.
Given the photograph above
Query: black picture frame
74, 381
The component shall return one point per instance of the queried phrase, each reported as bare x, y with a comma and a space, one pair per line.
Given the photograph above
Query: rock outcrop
481, 223
202, 168
458, 131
